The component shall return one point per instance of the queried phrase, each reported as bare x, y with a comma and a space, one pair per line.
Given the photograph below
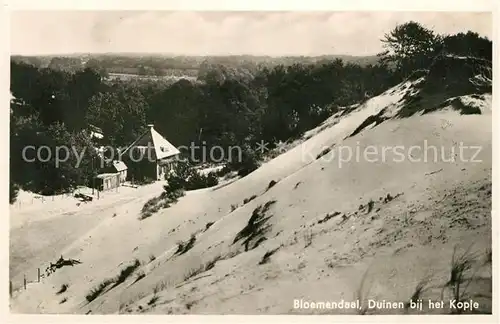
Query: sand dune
328, 230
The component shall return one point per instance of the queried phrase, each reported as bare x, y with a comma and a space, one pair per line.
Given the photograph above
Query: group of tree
228, 106
411, 46
48, 112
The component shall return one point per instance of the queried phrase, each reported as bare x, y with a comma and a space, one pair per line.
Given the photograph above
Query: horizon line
187, 55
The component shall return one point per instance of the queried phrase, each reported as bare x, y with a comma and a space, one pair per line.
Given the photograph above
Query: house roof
106, 175
151, 138
119, 165
94, 128
95, 131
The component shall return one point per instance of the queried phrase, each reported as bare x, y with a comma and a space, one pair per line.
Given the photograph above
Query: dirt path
36, 242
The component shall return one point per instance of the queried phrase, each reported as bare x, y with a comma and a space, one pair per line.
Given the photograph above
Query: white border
253, 5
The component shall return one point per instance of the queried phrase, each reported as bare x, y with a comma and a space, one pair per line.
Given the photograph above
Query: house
111, 176
107, 181
95, 132
121, 168
150, 156
97, 136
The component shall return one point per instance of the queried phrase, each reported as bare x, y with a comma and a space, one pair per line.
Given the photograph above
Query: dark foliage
267, 256
126, 272
183, 247
256, 227
234, 102
165, 200
13, 192
185, 177
98, 290
64, 288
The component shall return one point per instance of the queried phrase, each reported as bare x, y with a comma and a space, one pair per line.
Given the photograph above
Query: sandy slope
433, 206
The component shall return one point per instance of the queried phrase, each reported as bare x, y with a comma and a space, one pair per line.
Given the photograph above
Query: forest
227, 105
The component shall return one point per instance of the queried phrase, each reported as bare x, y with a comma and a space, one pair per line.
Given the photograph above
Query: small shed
107, 181
121, 168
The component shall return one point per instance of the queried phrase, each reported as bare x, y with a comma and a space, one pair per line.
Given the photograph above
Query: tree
469, 44
23, 81
43, 89
96, 65
74, 167
68, 64
121, 114
409, 47
25, 131
41, 172
82, 86
141, 70
175, 112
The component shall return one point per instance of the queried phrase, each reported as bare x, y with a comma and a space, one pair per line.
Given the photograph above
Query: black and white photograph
190, 162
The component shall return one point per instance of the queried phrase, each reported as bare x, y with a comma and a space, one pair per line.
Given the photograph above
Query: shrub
245, 163
150, 207
64, 287
247, 200
417, 293
224, 171
271, 184
461, 263
267, 256
175, 182
199, 181
184, 177
144, 181
171, 196
256, 227
183, 247
201, 268
162, 201
324, 152
14, 190
370, 205
126, 272
208, 225
140, 275
98, 290
153, 300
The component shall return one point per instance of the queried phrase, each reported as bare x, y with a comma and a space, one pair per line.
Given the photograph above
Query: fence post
38, 274
10, 288
24, 281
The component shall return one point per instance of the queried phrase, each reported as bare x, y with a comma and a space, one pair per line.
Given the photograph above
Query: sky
223, 33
